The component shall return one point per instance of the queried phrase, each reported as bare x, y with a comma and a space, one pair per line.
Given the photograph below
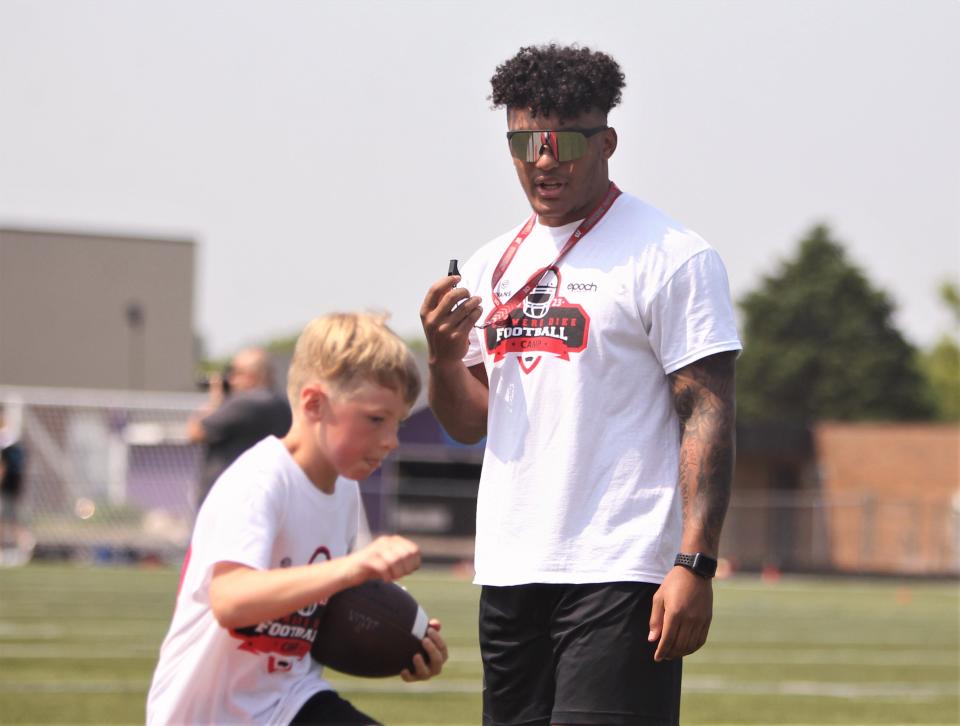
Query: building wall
65, 311
774, 518
894, 491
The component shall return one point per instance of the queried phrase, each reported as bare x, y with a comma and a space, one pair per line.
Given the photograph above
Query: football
371, 630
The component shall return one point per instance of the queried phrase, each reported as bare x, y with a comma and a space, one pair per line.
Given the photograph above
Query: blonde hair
346, 350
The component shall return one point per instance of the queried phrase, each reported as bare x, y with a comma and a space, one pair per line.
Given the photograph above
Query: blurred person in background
16, 543
242, 409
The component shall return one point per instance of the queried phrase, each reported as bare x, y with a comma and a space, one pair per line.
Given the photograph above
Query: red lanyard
499, 311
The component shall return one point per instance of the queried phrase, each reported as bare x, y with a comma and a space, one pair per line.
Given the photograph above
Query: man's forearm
704, 394
196, 433
459, 401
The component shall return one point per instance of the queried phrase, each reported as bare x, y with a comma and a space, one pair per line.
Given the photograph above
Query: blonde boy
276, 536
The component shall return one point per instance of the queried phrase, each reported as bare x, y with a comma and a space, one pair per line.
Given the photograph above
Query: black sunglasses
564, 144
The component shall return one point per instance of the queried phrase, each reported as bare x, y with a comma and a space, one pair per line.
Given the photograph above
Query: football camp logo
543, 323
290, 636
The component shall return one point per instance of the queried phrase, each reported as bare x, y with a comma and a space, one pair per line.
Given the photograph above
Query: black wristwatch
698, 563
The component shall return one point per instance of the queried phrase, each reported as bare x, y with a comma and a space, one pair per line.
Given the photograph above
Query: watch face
701, 564
704, 565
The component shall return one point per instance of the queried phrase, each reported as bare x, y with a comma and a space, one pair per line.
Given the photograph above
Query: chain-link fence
111, 475
107, 474
809, 531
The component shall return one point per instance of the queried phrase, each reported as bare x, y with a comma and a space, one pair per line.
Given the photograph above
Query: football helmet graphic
537, 301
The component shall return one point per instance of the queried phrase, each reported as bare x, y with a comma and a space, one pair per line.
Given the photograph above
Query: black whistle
452, 269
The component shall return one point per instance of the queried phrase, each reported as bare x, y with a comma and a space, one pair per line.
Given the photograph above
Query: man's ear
313, 401
609, 142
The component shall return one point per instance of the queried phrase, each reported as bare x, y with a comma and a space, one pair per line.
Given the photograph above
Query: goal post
109, 475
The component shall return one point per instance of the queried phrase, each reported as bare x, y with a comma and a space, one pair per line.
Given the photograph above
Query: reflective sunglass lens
527, 145
570, 145
521, 146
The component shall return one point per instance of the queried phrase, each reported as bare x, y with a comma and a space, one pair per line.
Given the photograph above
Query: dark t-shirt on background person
245, 418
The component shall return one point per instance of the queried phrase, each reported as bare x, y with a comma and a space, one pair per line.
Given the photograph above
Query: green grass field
78, 645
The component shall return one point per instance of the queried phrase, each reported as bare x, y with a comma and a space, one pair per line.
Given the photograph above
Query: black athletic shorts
327, 708
574, 654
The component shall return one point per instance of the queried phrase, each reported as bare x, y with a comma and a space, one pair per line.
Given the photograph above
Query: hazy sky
335, 155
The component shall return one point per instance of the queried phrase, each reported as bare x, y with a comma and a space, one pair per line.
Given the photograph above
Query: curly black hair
562, 80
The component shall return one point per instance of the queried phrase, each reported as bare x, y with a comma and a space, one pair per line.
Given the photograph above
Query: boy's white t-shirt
264, 513
579, 479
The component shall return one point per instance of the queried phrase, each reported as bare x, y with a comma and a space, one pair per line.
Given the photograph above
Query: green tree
941, 364
820, 343
283, 345
950, 296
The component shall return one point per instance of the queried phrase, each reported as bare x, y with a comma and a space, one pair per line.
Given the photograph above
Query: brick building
847, 497
896, 494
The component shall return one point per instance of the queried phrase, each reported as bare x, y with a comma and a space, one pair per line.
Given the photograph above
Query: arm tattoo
704, 396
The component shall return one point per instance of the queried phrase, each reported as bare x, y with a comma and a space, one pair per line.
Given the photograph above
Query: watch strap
697, 562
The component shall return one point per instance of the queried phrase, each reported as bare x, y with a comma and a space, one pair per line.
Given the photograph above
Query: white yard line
895, 691
32, 652
898, 692
880, 658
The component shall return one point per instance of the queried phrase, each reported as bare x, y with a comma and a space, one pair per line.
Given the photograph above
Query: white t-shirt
579, 480
264, 513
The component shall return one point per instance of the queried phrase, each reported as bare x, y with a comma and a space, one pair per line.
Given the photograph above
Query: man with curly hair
597, 357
